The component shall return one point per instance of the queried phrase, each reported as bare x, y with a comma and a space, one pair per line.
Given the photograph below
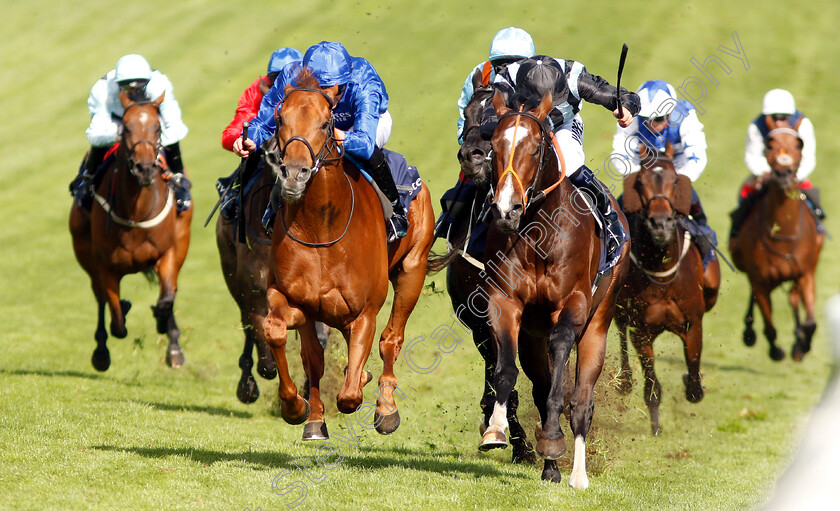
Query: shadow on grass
268, 460
68, 374
209, 410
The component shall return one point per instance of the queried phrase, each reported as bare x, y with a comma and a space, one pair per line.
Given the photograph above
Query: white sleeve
625, 156
694, 146
809, 149
466, 95
174, 129
754, 152
104, 128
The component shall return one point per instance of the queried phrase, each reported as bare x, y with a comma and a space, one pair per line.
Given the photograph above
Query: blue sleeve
367, 100
263, 126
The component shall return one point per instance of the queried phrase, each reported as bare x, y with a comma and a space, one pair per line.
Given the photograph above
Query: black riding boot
585, 179
742, 211
180, 184
397, 225
812, 195
82, 185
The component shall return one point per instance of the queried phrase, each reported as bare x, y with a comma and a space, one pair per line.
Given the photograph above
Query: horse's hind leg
643, 341
312, 357
762, 298
163, 311
749, 333
625, 374
247, 390
804, 332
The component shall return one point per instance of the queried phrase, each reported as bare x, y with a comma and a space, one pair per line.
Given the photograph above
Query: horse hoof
119, 333
294, 421
551, 449
101, 360
493, 439
315, 430
125, 305
693, 389
267, 368
482, 427
797, 354
523, 452
247, 390
655, 429
551, 473
386, 424
625, 383
749, 337
776, 353
175, 358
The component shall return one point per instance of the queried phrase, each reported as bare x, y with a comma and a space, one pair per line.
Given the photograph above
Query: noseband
530, 195
331, 146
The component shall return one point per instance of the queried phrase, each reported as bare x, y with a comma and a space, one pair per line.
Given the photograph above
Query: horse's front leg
625, 374
762, 298
693, 348
551, 444
293, 408
805, 331
359, 337
749, 318
505, 333
247, 390
163, 310
643, 342
101, 358
312, 357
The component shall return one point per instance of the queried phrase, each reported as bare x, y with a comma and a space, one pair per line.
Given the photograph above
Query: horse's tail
437, 262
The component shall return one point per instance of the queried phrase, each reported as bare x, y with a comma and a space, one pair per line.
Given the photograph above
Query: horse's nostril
283, 171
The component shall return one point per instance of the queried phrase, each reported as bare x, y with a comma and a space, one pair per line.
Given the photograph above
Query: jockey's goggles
780, 117
132, 85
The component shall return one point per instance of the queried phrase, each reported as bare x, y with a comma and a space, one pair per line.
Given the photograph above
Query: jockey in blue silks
361, 116
665, 119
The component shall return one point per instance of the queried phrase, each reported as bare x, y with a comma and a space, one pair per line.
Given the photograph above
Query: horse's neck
782, 211
329, 192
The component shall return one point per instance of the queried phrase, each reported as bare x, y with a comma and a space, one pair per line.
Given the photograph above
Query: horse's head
518, 149
474, 154
784, 153
305, 136
657, 194
141, 136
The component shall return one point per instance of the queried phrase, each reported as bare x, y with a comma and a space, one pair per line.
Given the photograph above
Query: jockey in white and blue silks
664, 119
133, 75
526, 81
508, 45
362, 120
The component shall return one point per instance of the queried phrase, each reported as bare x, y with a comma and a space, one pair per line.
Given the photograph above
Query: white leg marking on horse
578, 479
498, 421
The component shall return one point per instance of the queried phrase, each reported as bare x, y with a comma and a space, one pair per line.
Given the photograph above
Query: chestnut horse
664, 287
245, 267
133, 227
779, 242
463, 277
542, 280
330, 262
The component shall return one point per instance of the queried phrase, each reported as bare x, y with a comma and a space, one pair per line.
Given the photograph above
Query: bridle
529, 195
131, 149
331, 146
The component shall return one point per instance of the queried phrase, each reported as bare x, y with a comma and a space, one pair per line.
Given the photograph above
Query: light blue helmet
132, 67
658, 98
281, 57
511, 43
330, 63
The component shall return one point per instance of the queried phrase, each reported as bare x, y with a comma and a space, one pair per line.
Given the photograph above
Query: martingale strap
146, 224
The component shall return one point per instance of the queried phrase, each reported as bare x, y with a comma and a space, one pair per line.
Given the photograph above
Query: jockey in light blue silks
361, 116
665, 119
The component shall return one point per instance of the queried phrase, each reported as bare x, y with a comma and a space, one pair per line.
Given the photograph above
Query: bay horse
463, 273
245, 268
542, 281
329, 261
664, 289
779, 242
133, 227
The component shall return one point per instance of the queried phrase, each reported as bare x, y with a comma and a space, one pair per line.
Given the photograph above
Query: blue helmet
658, 98
281, 57
329, 62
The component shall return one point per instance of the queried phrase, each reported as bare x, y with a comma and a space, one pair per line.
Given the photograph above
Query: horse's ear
798, 123
545, 106
499, 104
669, 150
631, 202
682, 195
768, 120
477, 79
159, 100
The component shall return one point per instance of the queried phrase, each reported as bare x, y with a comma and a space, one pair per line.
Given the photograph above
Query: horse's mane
306, 79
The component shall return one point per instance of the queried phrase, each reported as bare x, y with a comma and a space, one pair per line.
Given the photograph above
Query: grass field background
144, 436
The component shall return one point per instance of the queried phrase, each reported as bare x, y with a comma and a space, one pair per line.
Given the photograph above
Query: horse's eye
325, 125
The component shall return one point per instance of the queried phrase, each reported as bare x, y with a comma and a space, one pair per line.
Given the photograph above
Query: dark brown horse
330, 262
664, 288
133, 227
542, 283
245, 267
779, 242
463, 278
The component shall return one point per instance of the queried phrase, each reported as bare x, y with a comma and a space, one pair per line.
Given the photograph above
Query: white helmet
511, 43
658, 98
132, 68
778, 101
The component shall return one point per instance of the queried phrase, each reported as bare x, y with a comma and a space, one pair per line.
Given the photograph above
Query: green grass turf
143, 436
